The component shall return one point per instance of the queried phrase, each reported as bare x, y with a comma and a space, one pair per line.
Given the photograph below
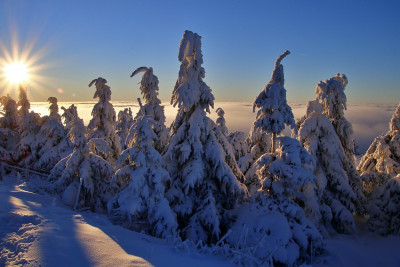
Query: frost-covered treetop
331, 93
190, 89
221, 123
277, 75
148, 85
314, 106
395, 121
274, 111
53, 107
103, 91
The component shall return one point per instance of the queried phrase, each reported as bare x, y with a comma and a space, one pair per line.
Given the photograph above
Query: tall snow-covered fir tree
103, 139
382, 159
124, 123
272, 116
9, 136
28, 127
273, 229
152, 105
206, 181
140, 203
52, 142
82, 178
221, 122
333, 100
336, 198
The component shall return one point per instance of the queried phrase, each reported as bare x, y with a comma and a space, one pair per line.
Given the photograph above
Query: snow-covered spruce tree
28, 126
333, 100
82, 172
69, 115
273, 228
124, 123
337, 200
238, 142
331, 94
140, 203
152, 105
221, 123
9, 136
52, 142
384, 208
103, 139
382, 159
206, 181
272, 115
54, 108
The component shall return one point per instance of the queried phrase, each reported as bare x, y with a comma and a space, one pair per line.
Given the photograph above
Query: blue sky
76, 41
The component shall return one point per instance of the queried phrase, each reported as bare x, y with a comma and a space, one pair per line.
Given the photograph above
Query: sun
16, 72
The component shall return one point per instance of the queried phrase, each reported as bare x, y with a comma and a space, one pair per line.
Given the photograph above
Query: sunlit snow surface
368, 120
37, 230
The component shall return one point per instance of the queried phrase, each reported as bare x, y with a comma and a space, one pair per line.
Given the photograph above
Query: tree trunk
273, 143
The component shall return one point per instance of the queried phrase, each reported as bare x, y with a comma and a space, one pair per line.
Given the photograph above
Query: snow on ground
37, 229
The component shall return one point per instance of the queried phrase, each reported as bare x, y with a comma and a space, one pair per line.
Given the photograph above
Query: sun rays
22, 64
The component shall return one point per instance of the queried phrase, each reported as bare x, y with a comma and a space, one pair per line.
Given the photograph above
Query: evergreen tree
384, 208
382, 159
333, 100
221, 123
152, 105
337, 200
273, 228
69, 115
103, 139
206, 181
273, 114
9, 136
51, 142
141, 203
28, 127
54, 108
124, 123
82, 178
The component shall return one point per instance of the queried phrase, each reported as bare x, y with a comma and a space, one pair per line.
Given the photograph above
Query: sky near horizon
69, 43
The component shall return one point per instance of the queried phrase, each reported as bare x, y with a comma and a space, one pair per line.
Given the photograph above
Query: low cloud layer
368, 120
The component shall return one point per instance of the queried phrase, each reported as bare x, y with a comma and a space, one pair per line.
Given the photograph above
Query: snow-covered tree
382, 159
141, 202
124, 123
333, 100
273, 228
237, 140
221, 123
69, 115
54, 108
331, 94
337, 200
272, 116
206, 181
23, 102
9, 136
103, 139
28, 127
152, 105
82, 178
384, 208
51, 142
